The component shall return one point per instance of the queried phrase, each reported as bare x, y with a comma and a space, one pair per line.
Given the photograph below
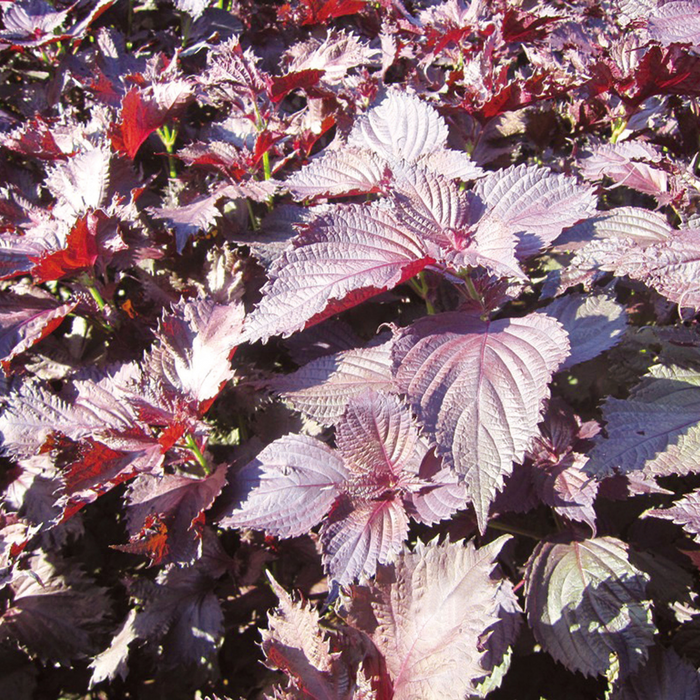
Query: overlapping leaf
344, 257
381, 473
294, 643
26, 319
56, 611
656, 429
343, 172
664, 676
534, 204
400, 130
165, 514
322, 388
630, 163
675, 22
427, 615
195, 344
180, 612
685, 512
594, 323
478, 387
288, 488
585, 600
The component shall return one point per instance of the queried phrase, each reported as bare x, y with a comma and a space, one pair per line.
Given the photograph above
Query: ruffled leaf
401, 127
427, 615
685, 512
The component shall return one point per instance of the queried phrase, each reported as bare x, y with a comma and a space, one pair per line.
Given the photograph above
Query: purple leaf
626, 228
189, 219
350, 254
322, 388
478, 387
19, 253
437, 211
294, 643
585, 600
502, 635
56, 611
201, 212
672, 267
288, 488
401, 127
357, 536
337, 54
655, 429
627, 163
378, 440
231, 74
664, 676
567, 488
194, 345
595, 323
331, 336
685, 512
181, 612
453, 165
176, 501
81, 184
31, 23
25, 319
440, 496
386, 461
676, 22
427, 615
33, 412
336, 173
533, 203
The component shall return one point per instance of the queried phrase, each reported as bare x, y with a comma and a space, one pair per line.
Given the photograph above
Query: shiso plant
350, 349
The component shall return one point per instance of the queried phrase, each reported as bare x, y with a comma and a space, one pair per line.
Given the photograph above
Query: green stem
513, 530
266, 165
471, 289
251, 214
420, 285
260, 125
185, 28
168, 137
618, 127
99, 300
95, 294
194, 449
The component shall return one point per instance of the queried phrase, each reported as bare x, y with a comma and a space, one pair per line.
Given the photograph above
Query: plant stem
255, 224
420, 286
266, 165
260, 125
513, 530
169, 136
471, 289
618, 127
194, 449
95, 294
185, 28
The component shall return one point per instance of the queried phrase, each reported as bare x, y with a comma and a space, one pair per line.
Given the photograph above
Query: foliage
349, 349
